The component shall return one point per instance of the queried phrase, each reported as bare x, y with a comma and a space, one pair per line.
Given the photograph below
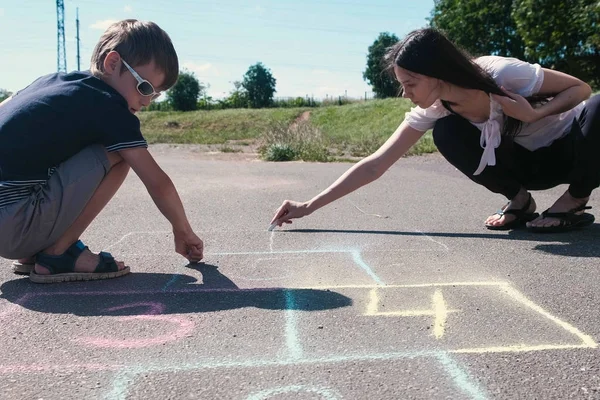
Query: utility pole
78, 57
61, 51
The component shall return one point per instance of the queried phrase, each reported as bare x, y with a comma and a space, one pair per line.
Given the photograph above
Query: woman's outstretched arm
365, 171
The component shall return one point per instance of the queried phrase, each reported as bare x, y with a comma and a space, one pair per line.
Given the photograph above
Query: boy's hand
189, 245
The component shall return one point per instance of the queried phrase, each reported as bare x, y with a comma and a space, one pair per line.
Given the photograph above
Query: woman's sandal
521, 217
568, 220
62, 267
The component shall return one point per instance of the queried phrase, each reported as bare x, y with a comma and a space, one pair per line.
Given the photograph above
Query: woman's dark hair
428, 52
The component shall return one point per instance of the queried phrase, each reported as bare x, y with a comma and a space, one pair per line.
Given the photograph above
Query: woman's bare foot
28, 260
565, 203
86, 262
517, 203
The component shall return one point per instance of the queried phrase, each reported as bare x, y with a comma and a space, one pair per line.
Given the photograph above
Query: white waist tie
490, 138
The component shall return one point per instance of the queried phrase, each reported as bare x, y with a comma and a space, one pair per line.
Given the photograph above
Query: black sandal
62, 267
521, 217
568, 220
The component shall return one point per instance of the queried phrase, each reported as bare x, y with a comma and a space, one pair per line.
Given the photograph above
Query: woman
508, 125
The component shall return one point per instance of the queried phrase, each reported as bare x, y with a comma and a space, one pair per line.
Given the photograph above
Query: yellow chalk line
440, 312
520, 348
586, 339
416, 285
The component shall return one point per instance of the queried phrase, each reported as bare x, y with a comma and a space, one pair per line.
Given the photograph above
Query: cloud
320, 72
102, 25
202, 70
128, 9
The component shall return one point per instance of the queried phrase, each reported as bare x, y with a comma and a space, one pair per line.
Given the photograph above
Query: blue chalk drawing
461, 377
291, 331
360, 262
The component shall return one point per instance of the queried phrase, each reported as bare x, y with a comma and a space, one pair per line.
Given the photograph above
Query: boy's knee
121, 168
116, 160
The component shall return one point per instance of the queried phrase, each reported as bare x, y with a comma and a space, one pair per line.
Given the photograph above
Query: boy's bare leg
88, 261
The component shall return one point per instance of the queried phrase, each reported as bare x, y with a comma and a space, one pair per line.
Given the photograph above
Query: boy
67, 142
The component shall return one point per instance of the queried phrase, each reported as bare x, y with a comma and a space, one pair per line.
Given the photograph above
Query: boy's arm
165, 196
6, 100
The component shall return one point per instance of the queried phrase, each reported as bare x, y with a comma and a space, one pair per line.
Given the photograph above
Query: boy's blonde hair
138, 43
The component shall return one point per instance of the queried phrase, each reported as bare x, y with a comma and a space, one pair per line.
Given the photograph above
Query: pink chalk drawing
184, 328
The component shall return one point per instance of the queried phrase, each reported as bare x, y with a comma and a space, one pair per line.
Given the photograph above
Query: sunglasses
144, 87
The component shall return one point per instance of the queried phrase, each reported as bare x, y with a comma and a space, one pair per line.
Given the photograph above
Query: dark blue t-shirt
53, 119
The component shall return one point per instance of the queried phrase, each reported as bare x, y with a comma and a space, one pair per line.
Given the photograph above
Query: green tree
259, 85
184, 95
558, 34
382, 83
4, 94
479, 26
562, 34
238, 97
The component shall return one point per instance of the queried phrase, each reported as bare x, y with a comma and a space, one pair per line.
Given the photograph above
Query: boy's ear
112, 63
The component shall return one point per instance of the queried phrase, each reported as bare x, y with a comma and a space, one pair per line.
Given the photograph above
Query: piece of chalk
272, 227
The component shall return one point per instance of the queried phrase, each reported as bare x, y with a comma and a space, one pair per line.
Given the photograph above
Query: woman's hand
289, 210
517, 106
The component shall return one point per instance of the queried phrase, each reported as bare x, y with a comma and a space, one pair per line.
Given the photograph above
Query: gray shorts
36, 222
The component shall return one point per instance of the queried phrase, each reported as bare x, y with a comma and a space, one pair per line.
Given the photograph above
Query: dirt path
305, 116
208, 152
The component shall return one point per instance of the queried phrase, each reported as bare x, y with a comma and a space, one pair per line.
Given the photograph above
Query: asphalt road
395, 292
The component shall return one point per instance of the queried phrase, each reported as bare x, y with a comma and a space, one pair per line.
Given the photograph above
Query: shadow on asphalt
577, 243
154, 293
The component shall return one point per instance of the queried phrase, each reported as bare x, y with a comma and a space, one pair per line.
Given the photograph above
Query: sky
313, 48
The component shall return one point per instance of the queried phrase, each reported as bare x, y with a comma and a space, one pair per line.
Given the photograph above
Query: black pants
573, 159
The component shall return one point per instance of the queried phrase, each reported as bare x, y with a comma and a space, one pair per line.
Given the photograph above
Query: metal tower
61, 51
78, 56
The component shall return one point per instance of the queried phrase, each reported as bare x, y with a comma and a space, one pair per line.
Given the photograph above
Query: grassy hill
353, 130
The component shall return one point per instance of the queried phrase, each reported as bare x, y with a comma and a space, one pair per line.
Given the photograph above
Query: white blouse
518, 77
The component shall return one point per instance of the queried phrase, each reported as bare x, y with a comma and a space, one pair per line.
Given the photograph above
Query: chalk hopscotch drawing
439, 310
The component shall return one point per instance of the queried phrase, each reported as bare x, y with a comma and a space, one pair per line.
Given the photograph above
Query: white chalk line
271, 246
250, 253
